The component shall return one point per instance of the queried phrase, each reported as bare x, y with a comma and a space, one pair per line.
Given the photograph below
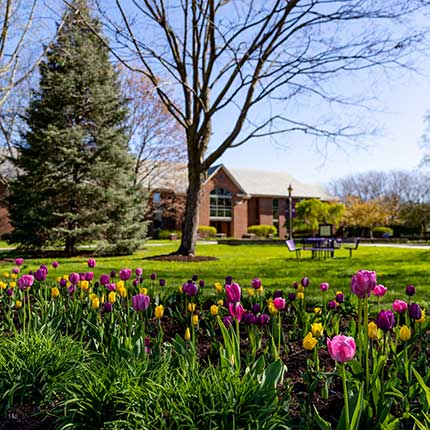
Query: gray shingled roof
171, 176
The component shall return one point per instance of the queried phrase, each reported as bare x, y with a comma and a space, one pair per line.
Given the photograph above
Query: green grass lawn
277, 268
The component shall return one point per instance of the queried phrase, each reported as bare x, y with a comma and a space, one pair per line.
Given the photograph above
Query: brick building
232, 199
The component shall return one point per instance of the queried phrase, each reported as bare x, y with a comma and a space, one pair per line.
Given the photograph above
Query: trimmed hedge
165, 234
263, 230
382, 232
206, 232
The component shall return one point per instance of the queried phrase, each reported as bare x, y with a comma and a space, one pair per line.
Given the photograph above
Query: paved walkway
396, 245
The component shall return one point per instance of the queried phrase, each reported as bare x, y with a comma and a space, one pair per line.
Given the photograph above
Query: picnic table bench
322, 246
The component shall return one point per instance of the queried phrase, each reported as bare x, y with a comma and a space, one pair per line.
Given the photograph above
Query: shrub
206, 232
165, 234
262, 230
382, 232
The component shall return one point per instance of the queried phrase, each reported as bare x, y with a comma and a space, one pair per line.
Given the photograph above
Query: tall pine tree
76, 174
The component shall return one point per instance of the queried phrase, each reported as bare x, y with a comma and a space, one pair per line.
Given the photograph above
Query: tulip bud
405, 333
55, 292
372, 331
187, 335
214, 310
159, 311
309, 342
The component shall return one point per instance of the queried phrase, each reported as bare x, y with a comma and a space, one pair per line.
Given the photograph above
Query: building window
220, 204
275, 211
157, 207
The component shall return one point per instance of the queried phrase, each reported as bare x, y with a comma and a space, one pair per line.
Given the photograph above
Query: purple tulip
125, 274
263, 319
9, 292
40, 275
55, 264
91, 263
74, 278
340, 298
112, 274
291, 297
415, 311
305, 282
332, 304
162, 282
385, 320
104, 279
71, 289
153, 276
249, 318
410, 290
201, 283
107, 307
63, 283
399, 306
15, 270
324, 286
82, 276
194, 278
135, 282
111, 287
25, 282
232, 292
379, 290
228, 279
256, 308
140, 302
89, 276
19, 261
295, 285
190, 288
227, 320
256, 283
363, 283
277, 293
138, 271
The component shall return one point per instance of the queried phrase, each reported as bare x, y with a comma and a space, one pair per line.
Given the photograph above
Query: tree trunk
70, 246
191, 216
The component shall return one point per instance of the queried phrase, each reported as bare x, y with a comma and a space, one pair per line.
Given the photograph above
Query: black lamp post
290, 213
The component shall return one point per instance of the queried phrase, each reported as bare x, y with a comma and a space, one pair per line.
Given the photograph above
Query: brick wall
283, 208
265, 211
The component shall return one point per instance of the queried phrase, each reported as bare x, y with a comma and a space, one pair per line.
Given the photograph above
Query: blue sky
399, 104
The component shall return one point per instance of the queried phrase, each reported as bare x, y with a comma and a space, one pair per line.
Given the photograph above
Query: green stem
366, 340
279, 333
345, 397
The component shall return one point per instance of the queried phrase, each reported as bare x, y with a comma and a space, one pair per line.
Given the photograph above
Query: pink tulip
279, 303
341, 348
236, 310
363, 282
232, 292
324, 286
379, 290
399, 306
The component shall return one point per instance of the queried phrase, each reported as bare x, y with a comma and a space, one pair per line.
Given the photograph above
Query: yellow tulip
187, 335
218, 287
95, 303
260, 290
112, 297
180, 288
122, 292
6, 274
317, 329
220, 302
272, 309
84, 285
300, 296
13, 275
102, 298
191, 307
405, 333
423, 316
338, 292
372, 330
214, 310
317, 311
59, 278
3, 285
159, 311
195, 320
120, 284
143, 291
300, 289
55, 292
18, 304
12, 284
309, 342
250, 292
66, 277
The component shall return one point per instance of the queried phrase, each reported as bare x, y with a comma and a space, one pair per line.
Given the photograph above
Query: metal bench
292, 248
351, 245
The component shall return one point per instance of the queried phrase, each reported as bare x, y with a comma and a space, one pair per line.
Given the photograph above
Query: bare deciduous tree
243, 62
156, 138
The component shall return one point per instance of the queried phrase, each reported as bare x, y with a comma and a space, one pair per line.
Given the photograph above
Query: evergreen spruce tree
76, 174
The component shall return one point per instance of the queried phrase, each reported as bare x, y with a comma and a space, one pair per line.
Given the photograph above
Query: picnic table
321, 246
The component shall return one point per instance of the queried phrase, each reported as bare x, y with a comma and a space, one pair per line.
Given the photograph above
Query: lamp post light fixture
290, 212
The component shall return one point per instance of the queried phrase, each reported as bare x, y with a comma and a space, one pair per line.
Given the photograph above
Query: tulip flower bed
121, 352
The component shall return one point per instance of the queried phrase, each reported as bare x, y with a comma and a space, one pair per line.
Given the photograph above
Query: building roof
172, 176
